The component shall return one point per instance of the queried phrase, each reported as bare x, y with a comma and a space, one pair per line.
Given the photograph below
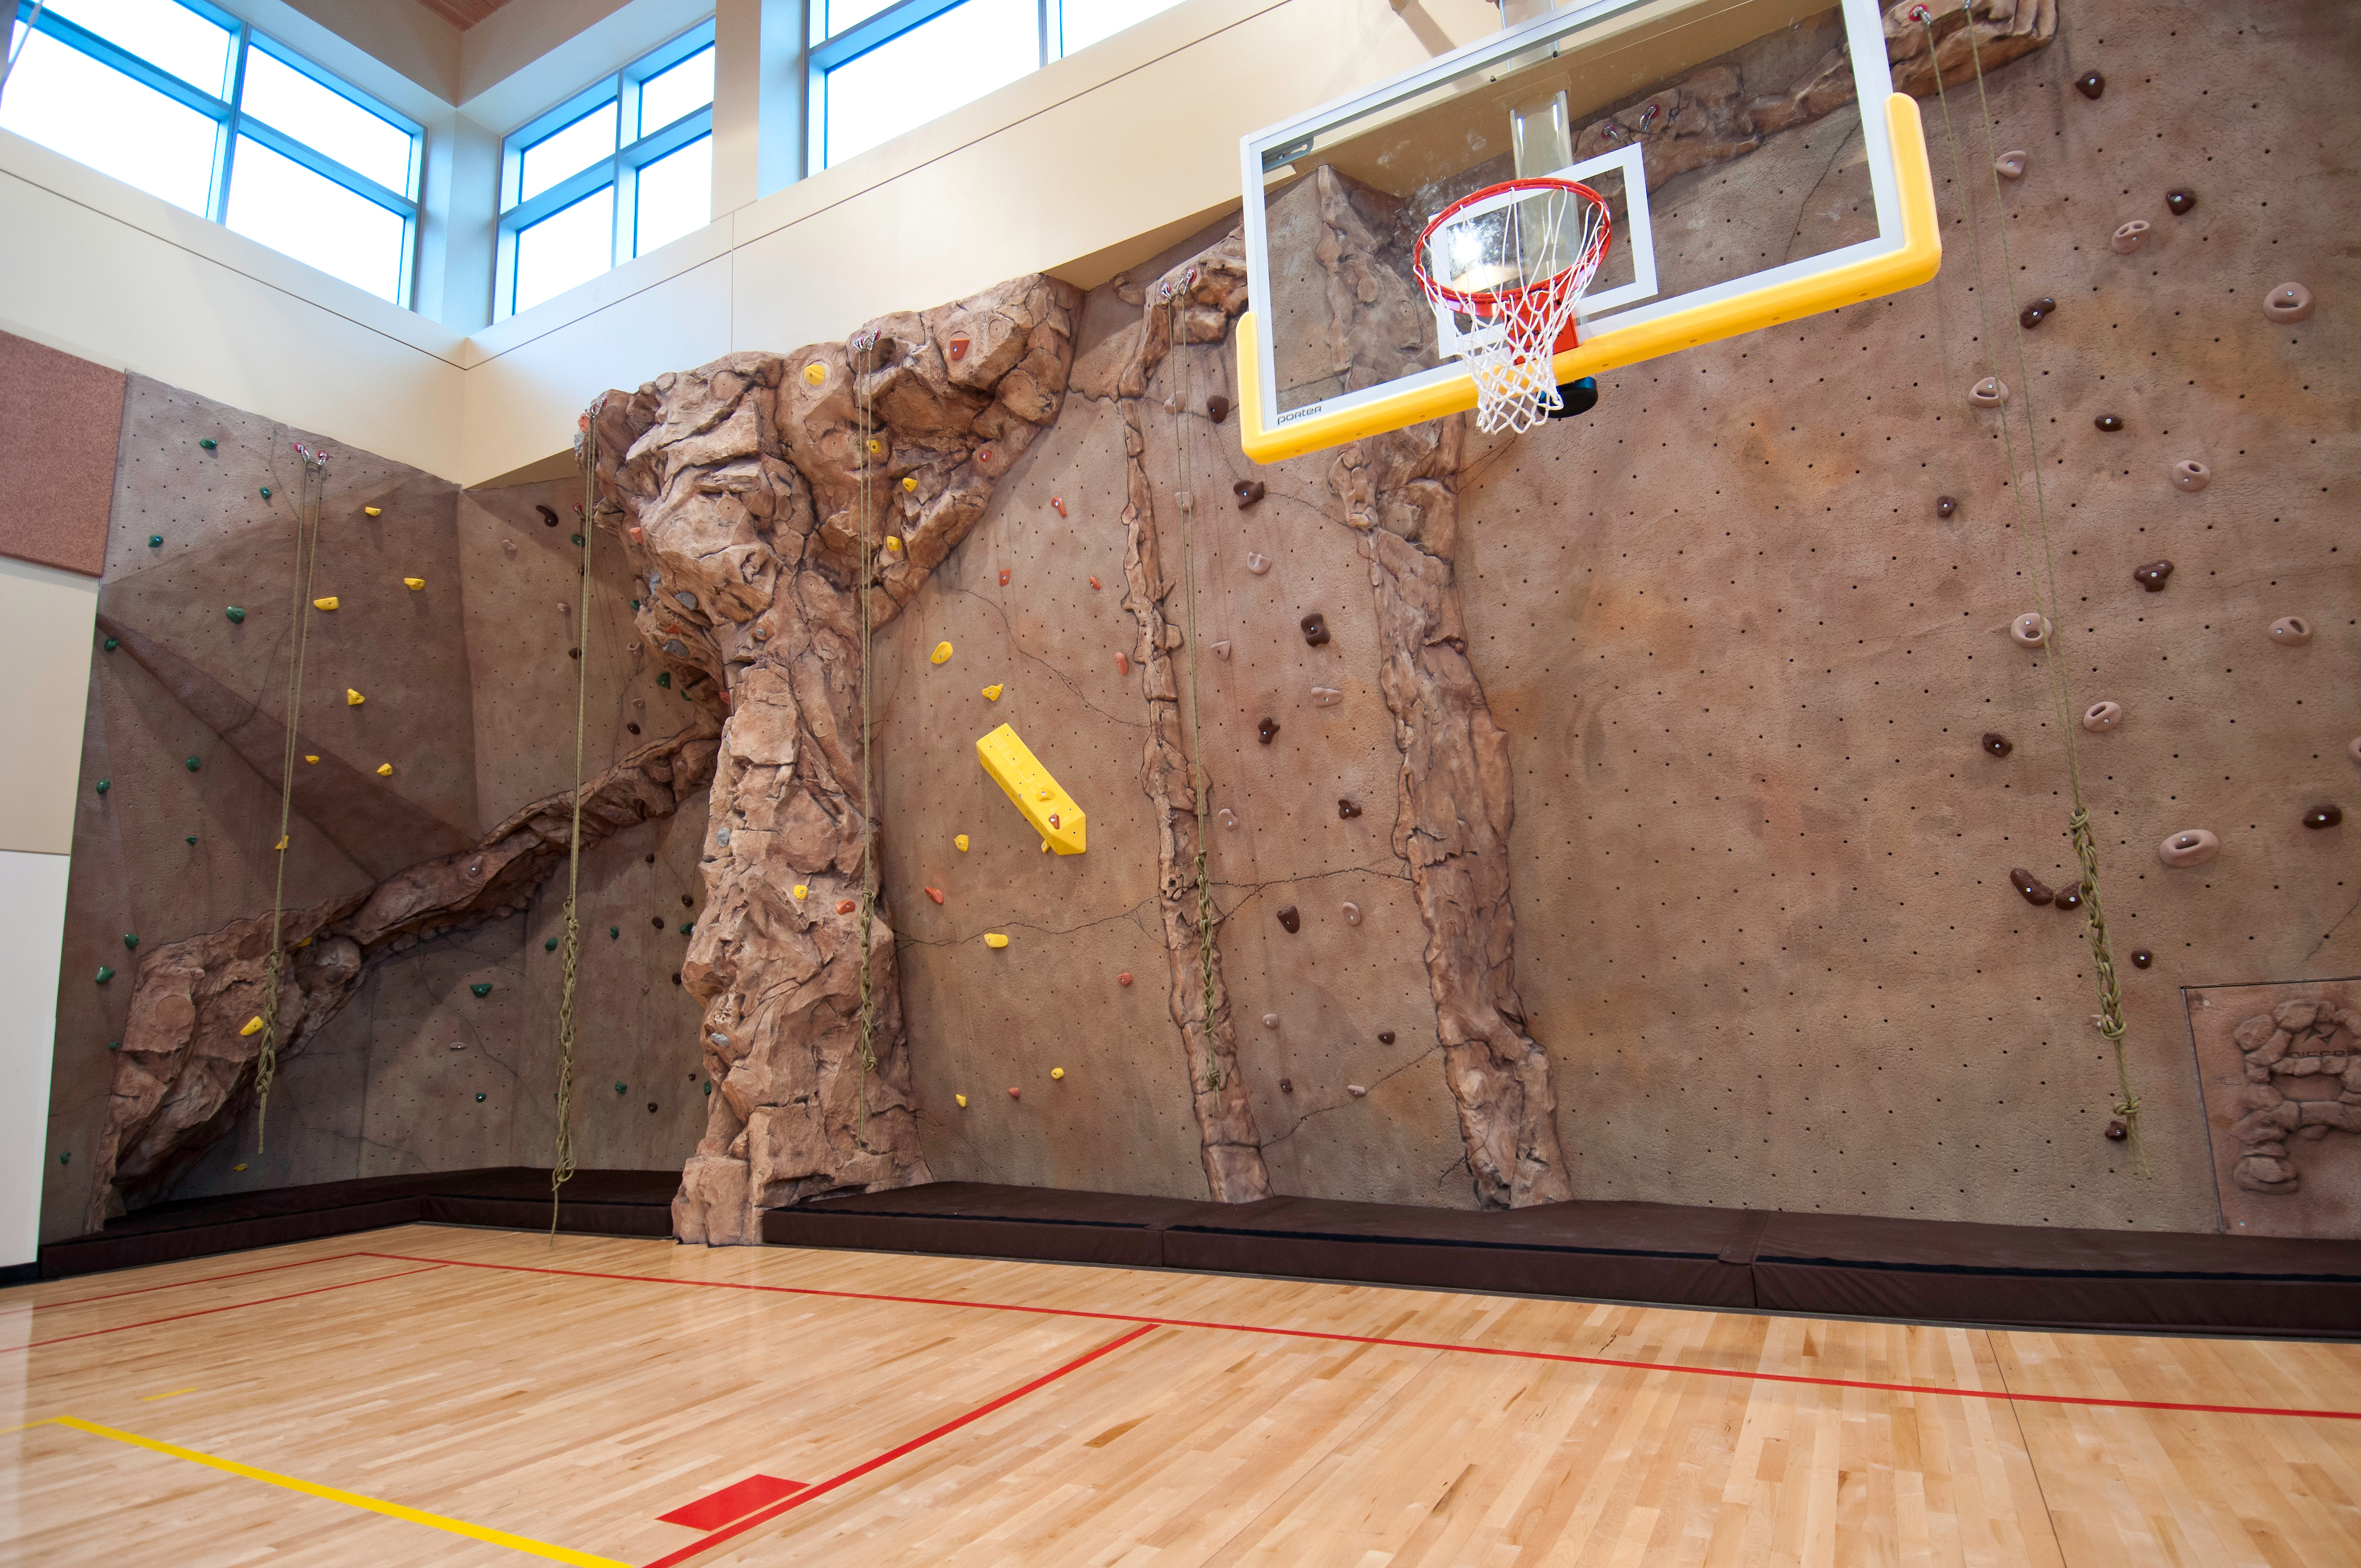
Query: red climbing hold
1012, 1091
936, 894
1124, 978
958, 347
845, 906
1094, 583
1004, 577
1123, 663
1059, 503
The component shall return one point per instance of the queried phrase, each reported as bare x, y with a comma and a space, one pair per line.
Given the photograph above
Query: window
880, 68
611, 174
184, 101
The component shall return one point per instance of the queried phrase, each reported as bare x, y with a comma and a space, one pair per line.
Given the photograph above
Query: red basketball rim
1487, 304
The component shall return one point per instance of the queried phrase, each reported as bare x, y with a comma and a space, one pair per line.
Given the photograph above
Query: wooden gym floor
433, 1396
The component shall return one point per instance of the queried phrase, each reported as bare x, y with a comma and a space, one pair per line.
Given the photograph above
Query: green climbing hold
104, 974
207, 441
195, 763
578, 539
191, 839
481, 988
549, 945
235, 614
113, 643
664, 679
154, 540
708, 1086
265, 492
635, 604
131, 938
480, 1099
623, 1088
66, 1158
615, 932
687, 926
115, 1045
104, 787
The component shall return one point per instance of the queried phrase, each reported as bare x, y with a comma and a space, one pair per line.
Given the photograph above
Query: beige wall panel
45, 639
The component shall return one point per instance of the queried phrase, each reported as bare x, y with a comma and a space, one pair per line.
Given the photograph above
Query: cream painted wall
32, 941
46, 618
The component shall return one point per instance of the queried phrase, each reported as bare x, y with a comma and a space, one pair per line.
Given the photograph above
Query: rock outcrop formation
185, 1062
2315, 1039
744, 491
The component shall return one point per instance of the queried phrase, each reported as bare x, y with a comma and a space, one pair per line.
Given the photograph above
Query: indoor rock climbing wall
468, 693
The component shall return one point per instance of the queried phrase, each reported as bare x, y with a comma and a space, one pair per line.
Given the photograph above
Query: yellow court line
172, 1394
351, 1499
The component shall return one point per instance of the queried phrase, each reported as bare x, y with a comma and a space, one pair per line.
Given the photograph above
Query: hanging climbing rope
2041, 568
1178, 404
562, 1166
311, 488
865, 345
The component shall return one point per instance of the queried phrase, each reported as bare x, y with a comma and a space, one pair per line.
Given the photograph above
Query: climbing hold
1004, 577
802, 891
207, 441
154, 541
942, 652
353, 698
1355, 1090
1122, 663
1315, 630
893, 545
329, 603
910, 481
113, 643
994, 939
265, 492
481, 987
1989, 393
1222, 649
2030, 629
2102, 717
103, 785
235, 614
991, 692
372, 511
1290, 918
623, 1088
2323, 816
2191, 475
664, 679
1351, 914
1945, 506
957, 347
549, 945
548, 515
2291, 631
1270, 1020
936, 894
1124, 978
2011, 165
1229, 818
253, 1026
2032, 315
1248, 491
1385, 1036
2189, 846
2025, 882
385, 770
2117, 1131
2109, 422
1346, 810
615, 933
190, 840
2091, 84
2131, 236
962, 1101
1287, 1086
104, 974
311, 757
1217, 408
962, 843
1998, 744
845, 906
2153, 575
1257, 564
815, 373
2142, 958
413, 584
1059, 503
194, 763
2180, 201
2287, 302
1013, 1093
2071, 898
1094, 585
1266, 730
1029, 787
1056, 1072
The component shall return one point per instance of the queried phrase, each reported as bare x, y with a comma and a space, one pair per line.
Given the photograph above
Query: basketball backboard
1756, 160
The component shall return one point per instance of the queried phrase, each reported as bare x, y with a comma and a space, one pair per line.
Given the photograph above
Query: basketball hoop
1506, 259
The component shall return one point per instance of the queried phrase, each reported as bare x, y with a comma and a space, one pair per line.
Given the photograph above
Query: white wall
32, 936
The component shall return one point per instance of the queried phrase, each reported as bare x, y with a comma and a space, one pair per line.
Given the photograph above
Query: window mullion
320, 163
225, 138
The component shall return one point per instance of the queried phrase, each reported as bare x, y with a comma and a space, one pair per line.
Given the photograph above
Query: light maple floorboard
572, 1409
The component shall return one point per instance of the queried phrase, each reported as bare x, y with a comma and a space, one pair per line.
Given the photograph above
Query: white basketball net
1508, 265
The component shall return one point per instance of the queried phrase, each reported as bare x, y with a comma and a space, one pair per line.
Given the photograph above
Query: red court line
763, 1515
231, 1307
2002, 1395
180, 1284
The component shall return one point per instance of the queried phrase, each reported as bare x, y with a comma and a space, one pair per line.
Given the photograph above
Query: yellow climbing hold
329, 603
413, 584
991, 692
309, 758
253, 1026
962, 843
1057, 1072
943, 651
385, 770
1045, 846
280, 845
353, 698
1020, 775
994, 939
238, 1167
372, 511
815, 373
962, 1101
803, 891
910, 481
893, 545
875, 446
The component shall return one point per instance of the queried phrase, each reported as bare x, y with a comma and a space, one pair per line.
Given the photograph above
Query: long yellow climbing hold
991, 692
1045, 803
372, 511
310, 758
413, 584
329, 603
942, 652
994, 939
385, 770
353, 698
253, 1026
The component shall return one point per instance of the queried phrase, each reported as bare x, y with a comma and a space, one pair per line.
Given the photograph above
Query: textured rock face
2310, 1038
741, 489
185, 1063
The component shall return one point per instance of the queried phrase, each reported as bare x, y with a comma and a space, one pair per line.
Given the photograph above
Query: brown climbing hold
2031, 316
548, 516
1124, 978
2091, 84
1287, 1086
1290, 918
2102, 717
2191, 475
1248, 491
2131, 236
1222, 649
2030, 629
2323, 816
845, 906
2025, 882
1315, 630
1989, 393
2142, 958
2291, 631
1217, 408
936, 894
2152, 575
1346, 810
2189, 846
2109, 422
2117, 1131
2011, 165
2179, 201
1266, 730
958, 350
1385, 1036
2071, 898
2287, 302
1998, 744
1945, 506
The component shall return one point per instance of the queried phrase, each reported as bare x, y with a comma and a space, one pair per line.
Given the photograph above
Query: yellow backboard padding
1916, 261
1023, 779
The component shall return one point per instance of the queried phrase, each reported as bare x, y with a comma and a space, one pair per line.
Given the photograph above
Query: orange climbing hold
1004, 577
1123, 663
1059, 503
1012, 1092
1124, 978
1094, 583
845, 906
936, 894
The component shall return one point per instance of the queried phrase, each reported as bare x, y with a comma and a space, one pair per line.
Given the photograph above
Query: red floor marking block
734, 1501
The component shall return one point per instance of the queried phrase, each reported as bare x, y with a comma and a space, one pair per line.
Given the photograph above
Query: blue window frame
615, 171
185, 101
